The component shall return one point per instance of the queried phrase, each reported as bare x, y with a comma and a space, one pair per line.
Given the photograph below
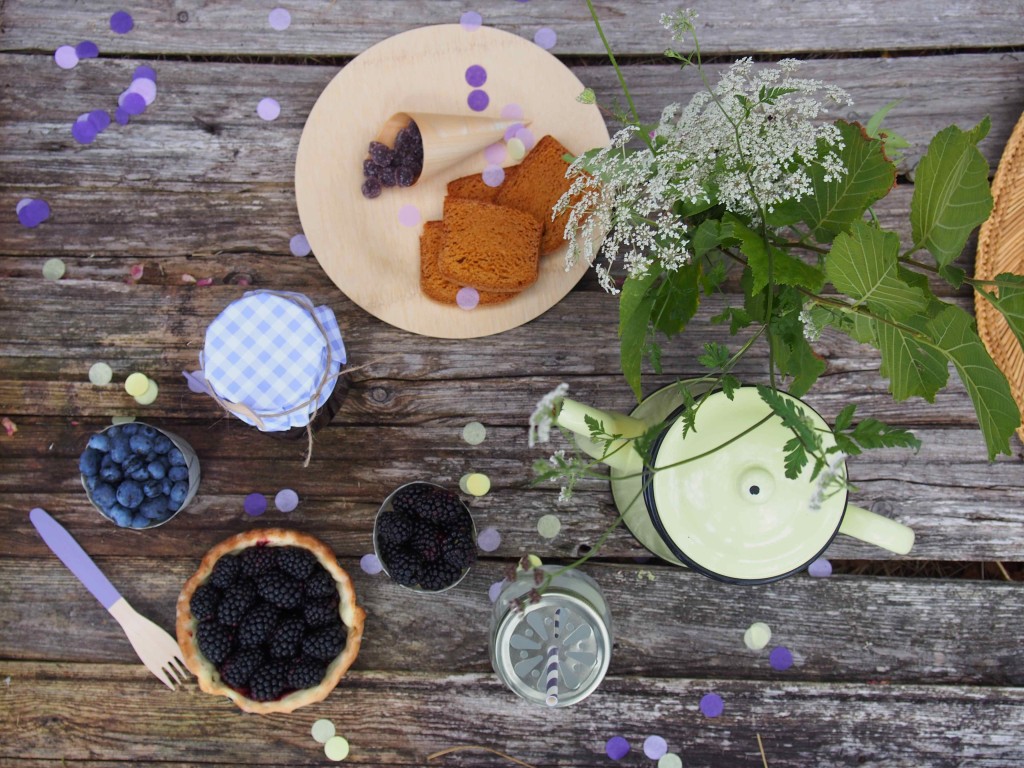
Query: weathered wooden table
890, 670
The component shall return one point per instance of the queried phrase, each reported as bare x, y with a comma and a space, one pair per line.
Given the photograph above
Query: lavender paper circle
286, 500
478, 100
616, 748
546, 38
471, 21
196, 381
780, 658
87, 49
510, 132
142, 71
255, 504
655, 747
99, 118
712, 705
279, 19
526, 136
489, 539
409, 215
370, 564
820, 568
493, 175
299, 245
476, 75
467, 298
512, 112
145, 87
66, 57
495, 153
122, 23
495, 589
268, 109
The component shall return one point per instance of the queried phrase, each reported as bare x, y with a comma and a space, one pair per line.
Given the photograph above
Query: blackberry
306, 673
441, 507
404, 567
237, 670
295, 561
257, 625
458, 550
269, 681
371, 188
321, 583
256, 560
439, 575
284, 640
214, 641
324, 644
426, 542
320, 613
394, 527
407, 499
381, 154
204, 602
235, 602
280, 589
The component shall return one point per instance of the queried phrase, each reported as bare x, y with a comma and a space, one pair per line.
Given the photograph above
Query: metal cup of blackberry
424, 537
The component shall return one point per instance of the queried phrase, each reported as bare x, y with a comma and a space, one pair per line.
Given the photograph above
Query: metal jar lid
523, 643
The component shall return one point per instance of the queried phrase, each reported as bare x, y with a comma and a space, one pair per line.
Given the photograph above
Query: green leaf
1009, 301
595, 427
783, 268
688, 416
872, 433
794, 356
864, 265
738, 319
845, 417
871, 129
796, 457
998, 414
715, 356
980, 131
676, 299
793, 417
952, 275
635, 306
951, 192
834, 205
845, 444
912, 368
708, 235
729, 385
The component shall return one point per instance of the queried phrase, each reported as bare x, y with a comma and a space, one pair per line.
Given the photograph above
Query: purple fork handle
74, 557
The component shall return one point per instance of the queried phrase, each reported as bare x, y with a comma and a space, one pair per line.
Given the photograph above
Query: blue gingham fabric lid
267, 355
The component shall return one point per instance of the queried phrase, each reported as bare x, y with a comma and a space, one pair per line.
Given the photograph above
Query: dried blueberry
381, 154
371, 188
386, 176
405, 176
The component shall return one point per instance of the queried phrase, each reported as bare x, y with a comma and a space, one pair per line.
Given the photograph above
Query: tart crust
352, 616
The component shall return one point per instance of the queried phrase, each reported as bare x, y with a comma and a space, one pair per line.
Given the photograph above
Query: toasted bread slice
489, 247
472, 187
433, 285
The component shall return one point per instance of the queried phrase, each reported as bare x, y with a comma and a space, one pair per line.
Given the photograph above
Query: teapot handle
877, 529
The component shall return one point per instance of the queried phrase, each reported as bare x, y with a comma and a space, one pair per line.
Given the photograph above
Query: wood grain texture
349, 27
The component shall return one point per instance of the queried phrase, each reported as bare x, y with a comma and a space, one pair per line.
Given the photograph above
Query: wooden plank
668, 622
400, 718
338, 29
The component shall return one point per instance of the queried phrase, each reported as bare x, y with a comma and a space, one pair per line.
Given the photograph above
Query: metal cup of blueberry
424, 537
138, 476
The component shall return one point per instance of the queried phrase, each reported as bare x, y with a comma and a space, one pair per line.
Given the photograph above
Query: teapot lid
731, 512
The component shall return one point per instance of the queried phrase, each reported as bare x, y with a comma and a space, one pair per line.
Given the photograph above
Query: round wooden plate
360, 243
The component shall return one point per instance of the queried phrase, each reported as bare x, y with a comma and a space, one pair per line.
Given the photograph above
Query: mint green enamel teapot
728, 511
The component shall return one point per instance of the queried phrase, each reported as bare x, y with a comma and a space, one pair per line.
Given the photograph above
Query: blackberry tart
269, 620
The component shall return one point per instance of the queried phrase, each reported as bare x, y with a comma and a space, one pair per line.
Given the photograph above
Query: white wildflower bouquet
750, 179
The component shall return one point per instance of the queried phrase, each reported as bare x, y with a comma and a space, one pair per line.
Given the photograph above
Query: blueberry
176, 458
121, 516
148, 431
177, 473
91, 482
141, 521
104, 495
130, 428
110, 471
132, 465
129, 494
152, 488
178, 493
151, 456
165, 486
100, 442
156, 470
120, 449
371, 188
113, 432
162, 444
154, 508
140, 475
141, 444
89, 462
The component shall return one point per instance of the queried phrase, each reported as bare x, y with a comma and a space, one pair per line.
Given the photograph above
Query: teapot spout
618, 454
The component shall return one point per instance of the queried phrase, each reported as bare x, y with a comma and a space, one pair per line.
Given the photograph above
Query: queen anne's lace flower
747, 144
543, 416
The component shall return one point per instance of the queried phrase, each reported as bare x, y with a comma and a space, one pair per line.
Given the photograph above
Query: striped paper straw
551, 671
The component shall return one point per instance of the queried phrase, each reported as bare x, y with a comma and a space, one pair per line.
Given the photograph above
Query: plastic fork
157, 649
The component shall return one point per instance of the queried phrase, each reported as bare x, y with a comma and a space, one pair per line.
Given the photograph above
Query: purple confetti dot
286, 500
268, 109
299, 245
33, 213
545, 38
711, 705
66, 57
145, 87
83, 131
655, 747
467, 297
99, 119
87, 49
780, 658
279, 19
512, 112
476, 75
526, 136
471, 21
493, 175
133, 104
121, 116
370, 564
22, 203
495, 153
196, 381
495, 589
121, 22
820, 568
510, 132
616, 748
489, 539
409, 215
144, 72
255, 504
478, 100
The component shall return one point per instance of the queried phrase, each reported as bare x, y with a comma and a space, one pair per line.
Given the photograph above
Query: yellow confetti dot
474, 433
147, 397
122, 419
136, 385
757, 636
670, 760
336, 748
532, 561
516, 149
54, 269
100, 374
323, 730
478, 484
549, 526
